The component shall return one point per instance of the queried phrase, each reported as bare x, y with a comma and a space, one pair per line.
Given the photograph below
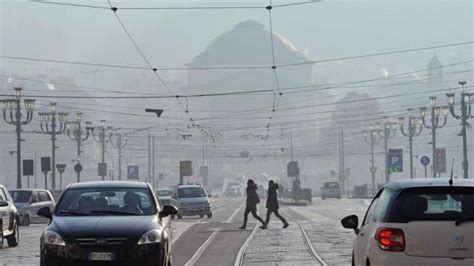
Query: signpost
102, 169
425, 160
78, 169
292, 169
28, 169
395, 160
439, 161
132, 172
61, 168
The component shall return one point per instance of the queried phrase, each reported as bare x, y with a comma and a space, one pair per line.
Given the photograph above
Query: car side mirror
4, 204
168, 210
351, 222
45, 212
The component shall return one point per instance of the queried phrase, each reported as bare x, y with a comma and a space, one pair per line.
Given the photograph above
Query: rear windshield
191, 192
433, 204
21, 196
164, 192
331, 185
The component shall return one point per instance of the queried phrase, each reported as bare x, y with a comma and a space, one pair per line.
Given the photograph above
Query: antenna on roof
451, 178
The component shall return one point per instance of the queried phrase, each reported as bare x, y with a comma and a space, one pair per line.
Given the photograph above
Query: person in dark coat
251, 204
272, 204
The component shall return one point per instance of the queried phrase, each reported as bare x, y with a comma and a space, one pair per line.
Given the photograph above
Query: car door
44, 201
363, 238
34, 206
4, 211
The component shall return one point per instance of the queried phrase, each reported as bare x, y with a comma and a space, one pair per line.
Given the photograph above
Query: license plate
101, 256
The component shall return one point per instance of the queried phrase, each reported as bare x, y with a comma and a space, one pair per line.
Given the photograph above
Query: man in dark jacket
251, 204
272, 204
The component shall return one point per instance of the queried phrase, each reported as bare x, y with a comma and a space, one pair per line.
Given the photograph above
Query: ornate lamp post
435, 124
76, 133
464, 116
49, 125
387, 131
372, 137
13, 106
103, 135
414, 129
119, 144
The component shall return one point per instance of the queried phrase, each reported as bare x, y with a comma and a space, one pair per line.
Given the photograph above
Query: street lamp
49, 125
435, 124
119, 144
75, 132
464, 116
387, 131
372, 137
414, 129
103, 135
13, 106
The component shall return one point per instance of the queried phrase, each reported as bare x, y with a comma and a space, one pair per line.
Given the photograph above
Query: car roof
29, 189
428, 182
111, 184
184, 186
163, 189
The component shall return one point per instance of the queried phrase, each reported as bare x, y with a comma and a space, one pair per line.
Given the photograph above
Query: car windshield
433, 204
20, 196
164, 192
106, 201
191, 192
331, 185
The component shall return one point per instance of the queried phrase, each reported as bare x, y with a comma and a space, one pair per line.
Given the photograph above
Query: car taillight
390, 239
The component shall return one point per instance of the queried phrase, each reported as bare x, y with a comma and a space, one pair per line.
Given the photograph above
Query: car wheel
13, 239
172, 217
180, 216
209, 215
339, 197
26, 220
202, 215
323, 198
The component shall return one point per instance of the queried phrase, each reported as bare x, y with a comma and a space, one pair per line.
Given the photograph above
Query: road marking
201, 250
235, 213
240, 256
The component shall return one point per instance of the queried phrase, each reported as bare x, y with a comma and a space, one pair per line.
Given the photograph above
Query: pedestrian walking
251, 204
272, 204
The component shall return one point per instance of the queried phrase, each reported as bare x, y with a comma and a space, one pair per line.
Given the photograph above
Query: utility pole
149, 157
371, 137
45, 119
434, 119
388, 131
14, 107
119, 144
413, 124
103, 135
76, 133
464, 116
153, 160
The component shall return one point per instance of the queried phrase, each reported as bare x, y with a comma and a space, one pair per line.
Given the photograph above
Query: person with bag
272, 204
251, 204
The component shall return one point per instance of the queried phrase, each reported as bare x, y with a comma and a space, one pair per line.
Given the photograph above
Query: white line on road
201, 250
240, 256
235, 213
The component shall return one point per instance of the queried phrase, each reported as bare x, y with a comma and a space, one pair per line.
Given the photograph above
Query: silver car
29, 201
192, 200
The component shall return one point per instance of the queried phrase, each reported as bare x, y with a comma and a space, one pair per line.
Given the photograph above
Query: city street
218, 241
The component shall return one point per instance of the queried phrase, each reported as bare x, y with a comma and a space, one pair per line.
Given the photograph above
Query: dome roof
248, 43
434, 62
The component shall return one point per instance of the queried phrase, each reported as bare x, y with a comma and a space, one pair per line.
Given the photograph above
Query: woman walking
272, 204
251, 204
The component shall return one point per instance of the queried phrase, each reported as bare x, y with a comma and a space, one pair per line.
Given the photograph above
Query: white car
417, 222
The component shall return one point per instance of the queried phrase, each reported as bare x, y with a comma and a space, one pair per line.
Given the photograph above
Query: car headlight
53, 238
152, 236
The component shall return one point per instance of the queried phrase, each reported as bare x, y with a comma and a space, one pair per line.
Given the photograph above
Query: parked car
164, 195
417, 222
9, 219
331, 190
113, 223
192, 200
29, 201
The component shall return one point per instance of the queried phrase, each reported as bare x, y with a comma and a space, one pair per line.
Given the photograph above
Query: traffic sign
292, 169
395, 160
61, 168
425, 160
28, 168
45, 164
102, 169
132, 172
186, 168
439, 160
78, 167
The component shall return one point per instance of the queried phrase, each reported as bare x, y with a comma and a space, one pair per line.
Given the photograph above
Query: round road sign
78, 167
425, 160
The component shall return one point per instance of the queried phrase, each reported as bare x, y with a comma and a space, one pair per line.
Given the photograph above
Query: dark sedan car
111, 223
